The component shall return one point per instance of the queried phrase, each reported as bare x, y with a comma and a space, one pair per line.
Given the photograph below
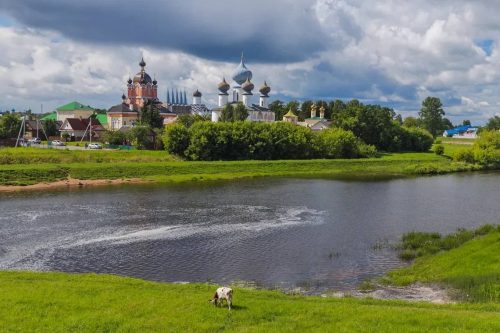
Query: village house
77, 128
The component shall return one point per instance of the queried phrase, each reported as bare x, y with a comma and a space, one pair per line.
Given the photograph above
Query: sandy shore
71, 183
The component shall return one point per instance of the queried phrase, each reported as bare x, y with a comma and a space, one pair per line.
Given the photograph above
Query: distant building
465, 132
242, 93
316, 123
73, 110
78, 128
291, 117
142, 90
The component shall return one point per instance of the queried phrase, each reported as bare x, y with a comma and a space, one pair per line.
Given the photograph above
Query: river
275, 232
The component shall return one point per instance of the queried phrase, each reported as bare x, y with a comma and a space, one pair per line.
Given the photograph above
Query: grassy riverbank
57, 302
472, 268
31, 166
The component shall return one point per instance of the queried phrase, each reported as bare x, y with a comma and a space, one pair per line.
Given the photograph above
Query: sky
388, 52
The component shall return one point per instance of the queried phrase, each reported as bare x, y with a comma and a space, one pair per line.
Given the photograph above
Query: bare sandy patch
71, 183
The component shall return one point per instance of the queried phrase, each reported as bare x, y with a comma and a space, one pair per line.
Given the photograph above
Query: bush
486, 151
339, 143
176, 139
439, 149
244, 140
416, 139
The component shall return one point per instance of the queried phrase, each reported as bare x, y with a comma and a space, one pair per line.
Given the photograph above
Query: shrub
176, 139
486, 151
416, 139
242, 140
339, 143
439, 149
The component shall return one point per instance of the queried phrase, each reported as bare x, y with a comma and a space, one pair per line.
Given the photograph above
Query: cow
223, 293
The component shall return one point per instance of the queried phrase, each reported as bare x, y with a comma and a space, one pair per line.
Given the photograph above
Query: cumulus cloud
389, 52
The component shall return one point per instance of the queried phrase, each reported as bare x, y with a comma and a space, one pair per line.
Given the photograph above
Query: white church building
242, 92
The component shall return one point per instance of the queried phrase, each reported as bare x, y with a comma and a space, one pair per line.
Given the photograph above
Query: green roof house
103, 119
74, 110
50, 116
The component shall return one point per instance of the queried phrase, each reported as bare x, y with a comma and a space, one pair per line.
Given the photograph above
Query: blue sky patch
486, 44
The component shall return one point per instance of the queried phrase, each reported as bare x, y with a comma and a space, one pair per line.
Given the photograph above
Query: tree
278, 107
187, 119
9, 125
447, 124
466, 123
240, 112
493, 124
431, 115
150, 116
227, 113
50, 127
305, 110
411, 122
143, 137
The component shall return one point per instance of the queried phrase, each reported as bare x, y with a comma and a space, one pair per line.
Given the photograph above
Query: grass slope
158, 166
58, 302
473, 268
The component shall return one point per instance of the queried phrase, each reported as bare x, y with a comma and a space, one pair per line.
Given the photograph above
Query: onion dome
265, 89
197, 93
142, 78
155, 82
248, 86
129, 81
142, 63
242, 73
124, 97
223, 86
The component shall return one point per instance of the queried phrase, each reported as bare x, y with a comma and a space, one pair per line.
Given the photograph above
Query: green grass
137, 164
472, 268
32, 156
58, 302
417, 244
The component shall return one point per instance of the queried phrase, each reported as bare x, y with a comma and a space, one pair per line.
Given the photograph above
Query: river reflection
319, 234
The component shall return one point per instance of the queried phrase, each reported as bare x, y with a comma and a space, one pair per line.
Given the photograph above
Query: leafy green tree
278, 107
399, 119
493, 124
116, 137
227, 113
176, 139
447, 124
9, 125
187, 119
466, 123
431, 115
411, 122
336, 108
305, 110
150, 116
50, 127
142, 137
240, 112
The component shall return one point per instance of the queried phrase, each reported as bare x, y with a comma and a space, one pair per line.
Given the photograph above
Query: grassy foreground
58, 302
31, 166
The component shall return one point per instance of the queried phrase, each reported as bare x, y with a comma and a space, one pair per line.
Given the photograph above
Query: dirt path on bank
70, 183
416, 293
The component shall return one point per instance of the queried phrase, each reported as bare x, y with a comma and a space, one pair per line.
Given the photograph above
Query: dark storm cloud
267, 31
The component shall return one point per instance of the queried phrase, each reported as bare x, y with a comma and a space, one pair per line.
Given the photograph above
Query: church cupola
264, 95
197, 97
223, 88
247, 88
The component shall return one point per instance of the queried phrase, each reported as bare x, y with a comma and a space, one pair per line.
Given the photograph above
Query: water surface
317, 234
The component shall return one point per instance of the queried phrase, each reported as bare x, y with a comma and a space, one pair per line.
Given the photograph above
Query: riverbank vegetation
59, 302
468, 261
485, 151
385, 166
